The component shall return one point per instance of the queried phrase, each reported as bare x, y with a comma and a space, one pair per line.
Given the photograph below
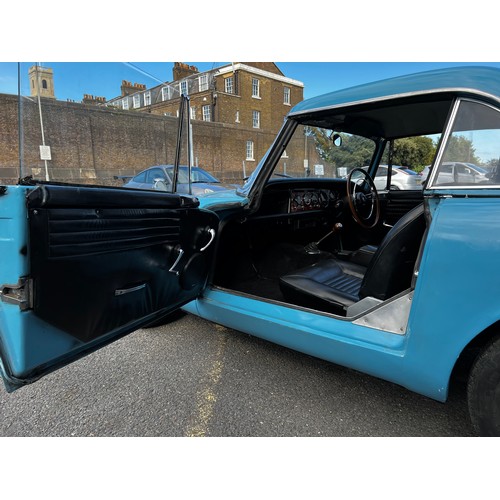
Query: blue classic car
399, 284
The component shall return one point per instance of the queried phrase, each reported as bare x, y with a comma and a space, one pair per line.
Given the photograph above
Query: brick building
236, 111
253, 96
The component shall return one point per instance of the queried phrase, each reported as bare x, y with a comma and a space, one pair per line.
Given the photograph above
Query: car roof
423, 99
172, 166
480, 80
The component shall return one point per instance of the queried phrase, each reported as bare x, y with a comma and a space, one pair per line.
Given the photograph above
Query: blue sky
72, 80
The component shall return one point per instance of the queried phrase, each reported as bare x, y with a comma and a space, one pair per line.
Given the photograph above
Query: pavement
195, 378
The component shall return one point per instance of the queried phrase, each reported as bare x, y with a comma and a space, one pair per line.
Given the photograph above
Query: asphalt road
194, 378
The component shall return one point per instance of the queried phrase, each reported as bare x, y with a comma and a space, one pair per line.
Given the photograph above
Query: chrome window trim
444, 90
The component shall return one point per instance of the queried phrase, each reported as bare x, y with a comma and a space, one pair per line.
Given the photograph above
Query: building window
250, 150
255, 87
286, 95
237, 117
44, 84
203, 81
125, 103
256, 119
183, 86
229, 85
147, 99
192, 112
136, 101
206, 113
165, 93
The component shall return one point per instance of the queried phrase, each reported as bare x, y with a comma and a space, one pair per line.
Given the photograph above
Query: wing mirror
336, 139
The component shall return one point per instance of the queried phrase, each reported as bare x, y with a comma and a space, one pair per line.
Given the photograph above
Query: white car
401, 178
457, 173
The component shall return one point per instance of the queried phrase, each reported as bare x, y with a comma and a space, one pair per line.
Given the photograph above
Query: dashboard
300, 196
301, 200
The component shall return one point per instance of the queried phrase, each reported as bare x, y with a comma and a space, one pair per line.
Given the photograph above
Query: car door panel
396, 203
103, 262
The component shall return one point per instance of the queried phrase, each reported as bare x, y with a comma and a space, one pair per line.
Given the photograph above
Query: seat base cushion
330, 285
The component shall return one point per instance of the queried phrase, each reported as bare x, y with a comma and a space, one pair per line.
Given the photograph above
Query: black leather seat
333, 285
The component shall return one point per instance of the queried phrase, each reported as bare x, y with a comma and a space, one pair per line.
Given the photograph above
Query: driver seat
332, 285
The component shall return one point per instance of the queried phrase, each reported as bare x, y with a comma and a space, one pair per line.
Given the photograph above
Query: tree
413, 152
355, 152
461, 149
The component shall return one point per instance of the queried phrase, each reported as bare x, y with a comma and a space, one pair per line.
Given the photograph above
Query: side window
381, 172
155, 173
472, 153
410, 156
140, 177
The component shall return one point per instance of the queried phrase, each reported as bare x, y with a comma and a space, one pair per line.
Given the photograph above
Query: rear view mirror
336, 139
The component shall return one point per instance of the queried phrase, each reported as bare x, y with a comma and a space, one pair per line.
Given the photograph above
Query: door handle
212, 237
174, 265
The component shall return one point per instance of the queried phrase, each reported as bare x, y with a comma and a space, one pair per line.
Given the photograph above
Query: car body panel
423, 357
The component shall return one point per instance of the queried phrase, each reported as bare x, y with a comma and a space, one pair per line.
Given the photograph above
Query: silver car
401, 178
160, 178
457, 173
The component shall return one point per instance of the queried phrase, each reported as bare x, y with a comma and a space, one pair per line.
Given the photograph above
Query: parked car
401, 178
457, 173
84, 265
160, 178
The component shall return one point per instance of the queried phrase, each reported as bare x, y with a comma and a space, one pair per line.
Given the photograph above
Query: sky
326, 46
72, 80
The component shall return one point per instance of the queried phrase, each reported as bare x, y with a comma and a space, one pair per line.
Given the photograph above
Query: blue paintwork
26, 340
475, 79
458, 277
223, 200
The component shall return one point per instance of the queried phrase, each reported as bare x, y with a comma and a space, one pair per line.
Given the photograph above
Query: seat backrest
391, 268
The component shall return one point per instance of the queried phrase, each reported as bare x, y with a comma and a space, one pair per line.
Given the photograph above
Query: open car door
83, 266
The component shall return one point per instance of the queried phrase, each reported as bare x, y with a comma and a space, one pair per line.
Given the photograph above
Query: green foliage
355, 151
459, 148
412, 152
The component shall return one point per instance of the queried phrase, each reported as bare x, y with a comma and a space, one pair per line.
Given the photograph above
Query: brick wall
91, 144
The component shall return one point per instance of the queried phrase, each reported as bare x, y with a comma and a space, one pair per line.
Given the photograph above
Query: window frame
205, 114
166, 93
287, 92
255, 119
229, 84
256, 88
184, 83
203, 82
250, 149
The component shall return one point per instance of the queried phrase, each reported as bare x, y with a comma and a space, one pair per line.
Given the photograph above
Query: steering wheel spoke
364, 206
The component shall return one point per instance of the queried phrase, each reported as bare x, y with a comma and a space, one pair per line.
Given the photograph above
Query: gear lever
313, 248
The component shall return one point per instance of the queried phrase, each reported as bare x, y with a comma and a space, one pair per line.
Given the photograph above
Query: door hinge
20, 294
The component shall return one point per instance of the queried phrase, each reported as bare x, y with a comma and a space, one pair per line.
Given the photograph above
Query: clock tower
41, 82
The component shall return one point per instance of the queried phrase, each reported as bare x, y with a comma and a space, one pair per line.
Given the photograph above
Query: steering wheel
364, 203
